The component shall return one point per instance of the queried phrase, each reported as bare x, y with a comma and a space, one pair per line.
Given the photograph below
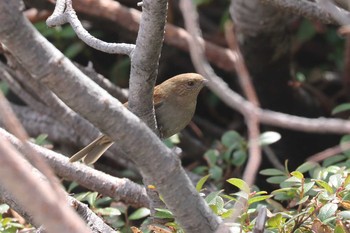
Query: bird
174, 102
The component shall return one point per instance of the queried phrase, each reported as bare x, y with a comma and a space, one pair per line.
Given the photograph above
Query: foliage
8, 224
230, 151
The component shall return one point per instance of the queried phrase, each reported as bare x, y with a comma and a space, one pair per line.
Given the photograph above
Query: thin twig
329, 152
252, 121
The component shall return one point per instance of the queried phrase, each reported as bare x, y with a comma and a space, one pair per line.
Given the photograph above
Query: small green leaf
72, 186
163, 213
308, 186
341, 108
201, 182
216, 172
347, 180
91, 198
306, 31
327, 211
258, 199
74, 49
336, 180
269, 137
210, 199
333, 160
272, 172
293, 179
307, 166
304, 199
239, 157
344, 214
139, 213
276, 179
108, 211
4, 87
297, 175
211, 157
41, 139
231, 138
344, 140
4, 208
227, 214
339, 229
325, 185
275, 221
241, 184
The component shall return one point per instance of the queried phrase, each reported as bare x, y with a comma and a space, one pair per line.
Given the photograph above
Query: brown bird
174, 103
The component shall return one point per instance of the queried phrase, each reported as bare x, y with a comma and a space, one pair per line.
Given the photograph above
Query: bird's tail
92, 152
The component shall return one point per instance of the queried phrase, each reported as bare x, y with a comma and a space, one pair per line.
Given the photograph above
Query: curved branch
64, 13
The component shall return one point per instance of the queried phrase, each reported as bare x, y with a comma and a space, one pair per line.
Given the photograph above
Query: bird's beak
205, 81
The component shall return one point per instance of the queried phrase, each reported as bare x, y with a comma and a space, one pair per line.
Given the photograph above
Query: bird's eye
190, 83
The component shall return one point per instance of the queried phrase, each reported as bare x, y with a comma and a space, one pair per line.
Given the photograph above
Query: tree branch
118, 189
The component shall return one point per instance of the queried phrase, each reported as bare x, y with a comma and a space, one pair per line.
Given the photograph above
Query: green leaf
201, 182
327, 211
241, 184
344, 140
139, 213
72, 186
239, 157
258, 199
336, 180
41, 139
231, 138
269, 137
275, 221
297, 175
293, 179
201, 2
276, 179
272, 172
339, 229
308, 186
163, 213
344, 214
347, 180
333, 160
4, 208
307, 166
341, 108
304, 199
91, 198
325, 185
306, 31
211, 157
4, 87
216, 172
227, 214
210, 199
74, 49
108, 211
172, 141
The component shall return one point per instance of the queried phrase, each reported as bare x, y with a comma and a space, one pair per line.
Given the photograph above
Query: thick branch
118, 189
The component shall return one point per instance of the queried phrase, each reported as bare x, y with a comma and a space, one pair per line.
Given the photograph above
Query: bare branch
254, 159
64, 13
16, 177
337, 13
118, 189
